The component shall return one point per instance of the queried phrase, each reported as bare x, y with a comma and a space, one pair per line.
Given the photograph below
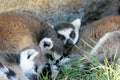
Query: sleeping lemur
25, 65
18, 66
89, 34
108, 46
69, 34
19, 30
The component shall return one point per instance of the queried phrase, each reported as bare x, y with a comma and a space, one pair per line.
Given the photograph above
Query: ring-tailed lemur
19, 30
68, 33
18, 66
108, 46
90, 33
26, 65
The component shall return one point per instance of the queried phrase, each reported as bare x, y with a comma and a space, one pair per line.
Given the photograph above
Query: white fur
64, 60
102, 40
76, 36
27, 64
56, 56
66, 33
44, 40
76, 23
55, 71
14, 78
3, 76
6, 70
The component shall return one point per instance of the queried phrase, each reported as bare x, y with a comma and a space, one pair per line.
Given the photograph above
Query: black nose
69, 43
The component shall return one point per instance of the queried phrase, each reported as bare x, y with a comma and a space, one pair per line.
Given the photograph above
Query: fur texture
19, 30
22, 65
91, 33
108, 46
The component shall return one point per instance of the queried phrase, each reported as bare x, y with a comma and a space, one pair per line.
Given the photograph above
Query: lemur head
69, 32
37, 62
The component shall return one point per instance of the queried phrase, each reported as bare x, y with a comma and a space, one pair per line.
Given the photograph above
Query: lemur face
28, 65
68, 32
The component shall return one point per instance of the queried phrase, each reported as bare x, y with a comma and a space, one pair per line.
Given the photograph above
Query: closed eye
61, 37
72, 35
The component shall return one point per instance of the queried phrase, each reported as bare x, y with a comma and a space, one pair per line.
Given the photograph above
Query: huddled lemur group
18, 32
30, 46
104, 31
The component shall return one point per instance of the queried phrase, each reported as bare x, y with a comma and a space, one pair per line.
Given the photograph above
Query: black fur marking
32, 76
119, 9
66, 52
10, 74
61, 37
46, 71
13, 58
46, 44
1, 65
63, 26
69, 44
49, 56
36, 68
72, 35
58, 61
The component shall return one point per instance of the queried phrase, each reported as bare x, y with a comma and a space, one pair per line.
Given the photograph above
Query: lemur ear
46, 44
50, 25
76, 23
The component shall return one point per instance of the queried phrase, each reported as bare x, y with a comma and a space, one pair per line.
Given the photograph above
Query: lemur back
108, 46
19, 30
91, 33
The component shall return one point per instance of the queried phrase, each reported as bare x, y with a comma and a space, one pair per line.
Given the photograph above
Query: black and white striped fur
27, 64
18, 66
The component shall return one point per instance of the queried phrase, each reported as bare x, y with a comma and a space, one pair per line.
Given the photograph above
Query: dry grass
35, 5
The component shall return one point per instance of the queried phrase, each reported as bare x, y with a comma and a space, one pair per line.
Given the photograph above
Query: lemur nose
69, 43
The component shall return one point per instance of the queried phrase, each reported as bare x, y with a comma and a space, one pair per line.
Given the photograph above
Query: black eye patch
61, 37
72, 35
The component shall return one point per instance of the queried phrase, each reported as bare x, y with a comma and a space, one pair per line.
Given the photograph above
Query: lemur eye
72, 35
61, 37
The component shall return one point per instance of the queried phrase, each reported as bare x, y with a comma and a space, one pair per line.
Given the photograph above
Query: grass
96, 71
